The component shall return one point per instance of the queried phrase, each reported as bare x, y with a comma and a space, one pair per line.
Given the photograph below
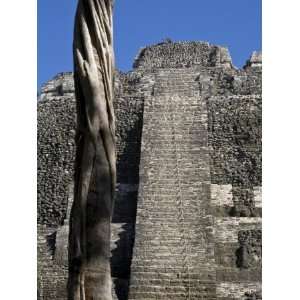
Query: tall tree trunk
95, 165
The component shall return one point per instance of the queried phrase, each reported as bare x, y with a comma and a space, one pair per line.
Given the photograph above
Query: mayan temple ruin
187, 217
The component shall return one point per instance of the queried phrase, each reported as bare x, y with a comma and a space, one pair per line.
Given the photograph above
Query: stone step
160, 264
190, 184
177, 243
179, 288
172, 280
179, 246
180, 233
168, 190
176, 253
179, 138
204, 277
189, 290
176, 230
195, 108
156, 220
163, 297
176, 221
160, 256
180, 214
174, 207
160, 245
205, 272
174, 161
176, 82
169, 296
147, 291
177, 116
177, 203
171, 192
196, 226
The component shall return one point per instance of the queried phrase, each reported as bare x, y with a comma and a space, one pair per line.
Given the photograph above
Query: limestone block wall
187, 221
235, 135
235, 163
56, 151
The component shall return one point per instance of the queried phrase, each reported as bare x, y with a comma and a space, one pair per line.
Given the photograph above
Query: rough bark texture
95, 166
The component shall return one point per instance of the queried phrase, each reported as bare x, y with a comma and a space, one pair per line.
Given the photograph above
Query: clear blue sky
232, 23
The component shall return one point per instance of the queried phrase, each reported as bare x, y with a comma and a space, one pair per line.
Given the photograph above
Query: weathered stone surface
182, 55
255, 60
188, 128
250, 252
61, 85
56, 152
239, 291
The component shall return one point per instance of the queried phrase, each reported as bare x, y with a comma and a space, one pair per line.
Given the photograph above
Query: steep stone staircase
174, 252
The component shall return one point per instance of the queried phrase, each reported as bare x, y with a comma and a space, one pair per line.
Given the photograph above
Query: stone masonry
187, 220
